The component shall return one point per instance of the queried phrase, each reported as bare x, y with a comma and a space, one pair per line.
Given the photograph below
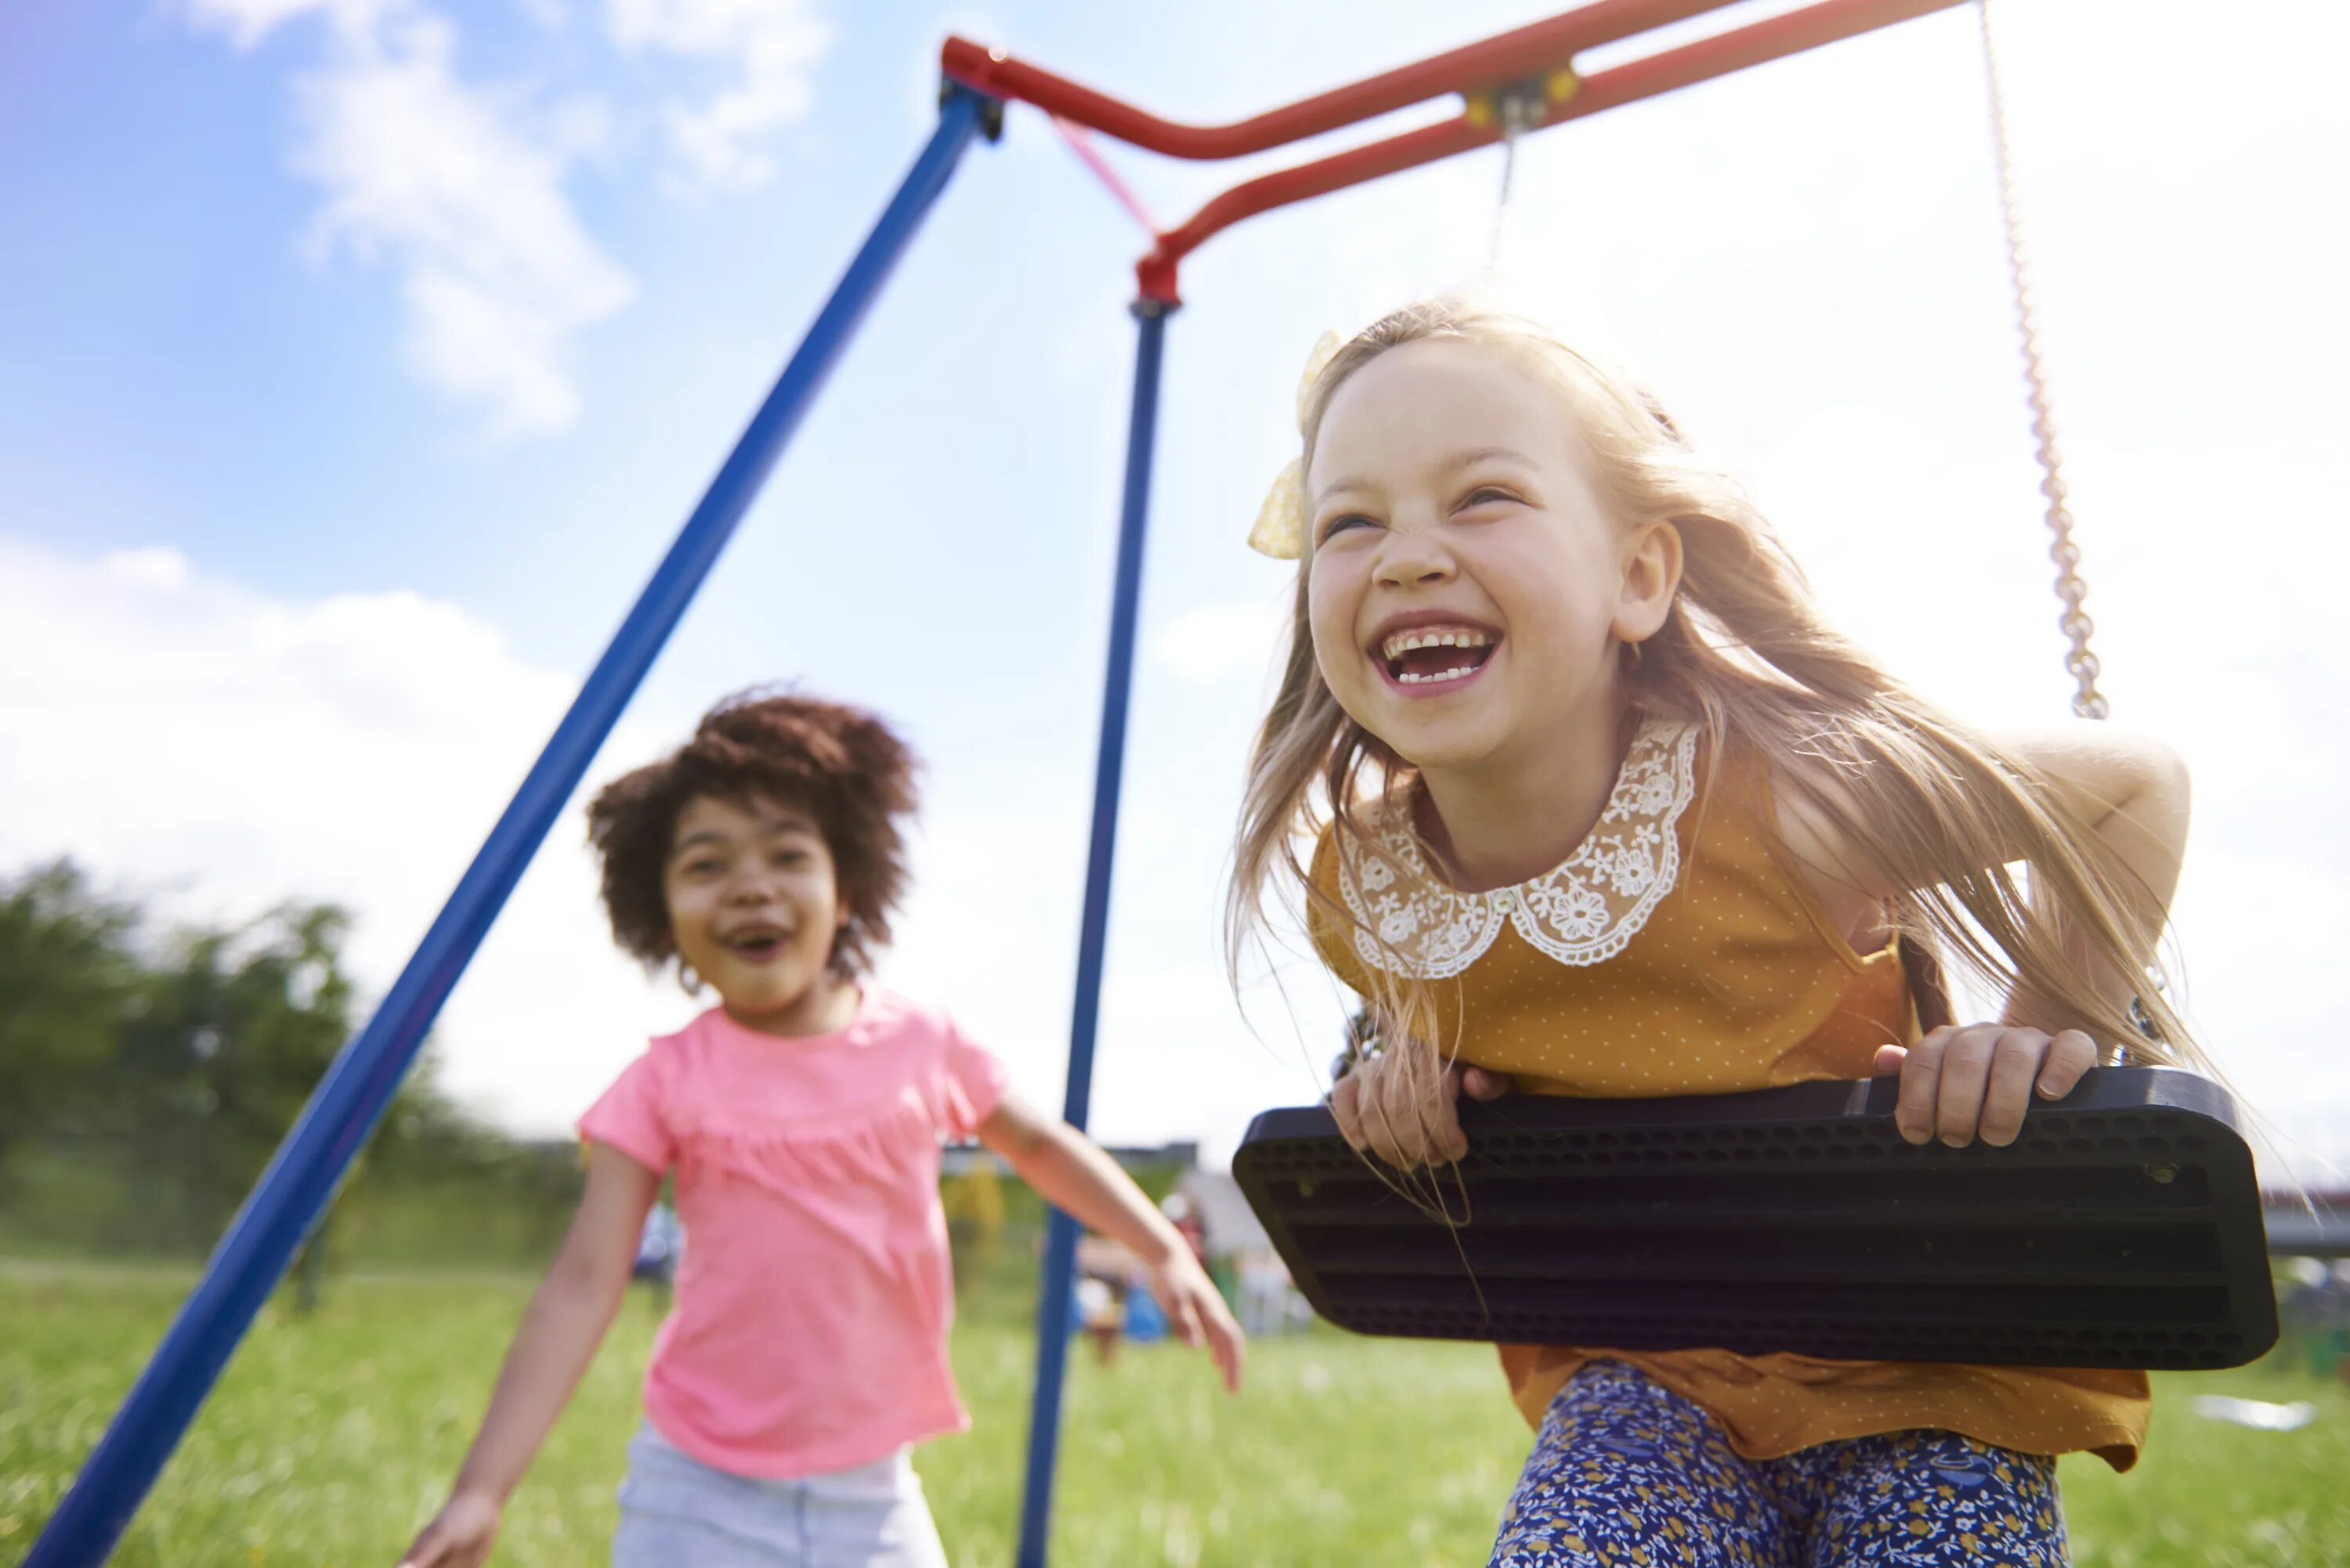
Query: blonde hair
1746, 656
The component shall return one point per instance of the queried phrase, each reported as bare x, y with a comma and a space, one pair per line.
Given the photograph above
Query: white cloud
458, 188
775, 44
250, 21
500, 273
1226, 637
171, 728
224, 750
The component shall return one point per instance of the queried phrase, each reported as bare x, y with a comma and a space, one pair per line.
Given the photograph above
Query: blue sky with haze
361, 357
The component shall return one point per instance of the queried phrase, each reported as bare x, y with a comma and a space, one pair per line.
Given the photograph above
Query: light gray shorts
677, 1512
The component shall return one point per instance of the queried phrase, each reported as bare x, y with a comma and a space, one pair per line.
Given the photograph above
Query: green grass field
331, 1438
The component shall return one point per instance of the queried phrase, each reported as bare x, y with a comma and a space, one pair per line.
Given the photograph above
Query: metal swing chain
1521, 109
2089, 702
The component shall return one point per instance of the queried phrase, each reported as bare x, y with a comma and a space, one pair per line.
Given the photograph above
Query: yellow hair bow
1280, 528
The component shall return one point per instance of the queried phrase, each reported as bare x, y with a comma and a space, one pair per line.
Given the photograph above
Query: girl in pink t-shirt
801, 1118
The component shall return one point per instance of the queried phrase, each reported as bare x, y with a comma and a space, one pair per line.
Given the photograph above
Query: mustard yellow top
1679, 951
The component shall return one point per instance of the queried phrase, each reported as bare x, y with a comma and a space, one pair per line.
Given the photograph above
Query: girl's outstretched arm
557, 1337
2130, 789
1076, 1174
2133, 792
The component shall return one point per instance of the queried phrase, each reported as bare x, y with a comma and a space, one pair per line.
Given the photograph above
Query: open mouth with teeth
755, 944
1436, 655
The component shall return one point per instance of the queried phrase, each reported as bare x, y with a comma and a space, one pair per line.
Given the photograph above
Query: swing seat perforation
2121, 1228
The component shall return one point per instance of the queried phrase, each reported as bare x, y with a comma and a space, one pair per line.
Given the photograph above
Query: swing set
2144, 1192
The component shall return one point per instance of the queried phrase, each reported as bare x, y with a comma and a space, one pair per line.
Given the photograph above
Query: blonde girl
1600, 806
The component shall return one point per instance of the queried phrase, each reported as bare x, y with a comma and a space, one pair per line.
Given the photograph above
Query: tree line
149, 1068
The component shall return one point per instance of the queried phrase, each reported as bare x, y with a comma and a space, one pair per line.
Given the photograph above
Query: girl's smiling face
754, 906
1466, 587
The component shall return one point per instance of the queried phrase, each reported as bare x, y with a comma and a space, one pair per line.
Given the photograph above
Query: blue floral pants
1626, 1471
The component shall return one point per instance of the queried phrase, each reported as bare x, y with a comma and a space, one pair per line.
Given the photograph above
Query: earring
687, 979
1632, 646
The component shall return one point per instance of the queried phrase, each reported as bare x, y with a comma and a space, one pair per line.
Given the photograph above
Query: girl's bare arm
2134, 794
1961, 1083
1076, 1174
559, 1331
2130, 789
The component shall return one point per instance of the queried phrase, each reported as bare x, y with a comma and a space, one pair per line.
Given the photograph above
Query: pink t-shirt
813, 1299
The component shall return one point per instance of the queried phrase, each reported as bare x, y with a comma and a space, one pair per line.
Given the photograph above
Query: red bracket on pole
1477, 68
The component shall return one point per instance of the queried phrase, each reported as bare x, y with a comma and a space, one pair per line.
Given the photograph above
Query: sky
359, 358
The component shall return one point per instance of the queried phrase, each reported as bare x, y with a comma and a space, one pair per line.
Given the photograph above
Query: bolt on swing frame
352, 1098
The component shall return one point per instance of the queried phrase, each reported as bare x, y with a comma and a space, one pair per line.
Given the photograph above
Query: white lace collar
1410, 922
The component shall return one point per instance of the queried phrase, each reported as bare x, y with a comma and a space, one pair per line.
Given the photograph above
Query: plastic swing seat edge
2123, 1228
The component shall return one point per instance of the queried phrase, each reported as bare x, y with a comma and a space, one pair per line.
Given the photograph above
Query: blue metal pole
1061, 1235
352, 1098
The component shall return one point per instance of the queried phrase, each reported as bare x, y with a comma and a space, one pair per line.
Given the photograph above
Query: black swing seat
2122, 1229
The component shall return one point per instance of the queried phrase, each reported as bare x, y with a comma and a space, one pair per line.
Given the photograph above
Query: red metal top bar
1509, 58
1661, 72
1527, 51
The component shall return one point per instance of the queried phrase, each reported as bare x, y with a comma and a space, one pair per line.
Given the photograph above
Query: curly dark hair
841, 765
